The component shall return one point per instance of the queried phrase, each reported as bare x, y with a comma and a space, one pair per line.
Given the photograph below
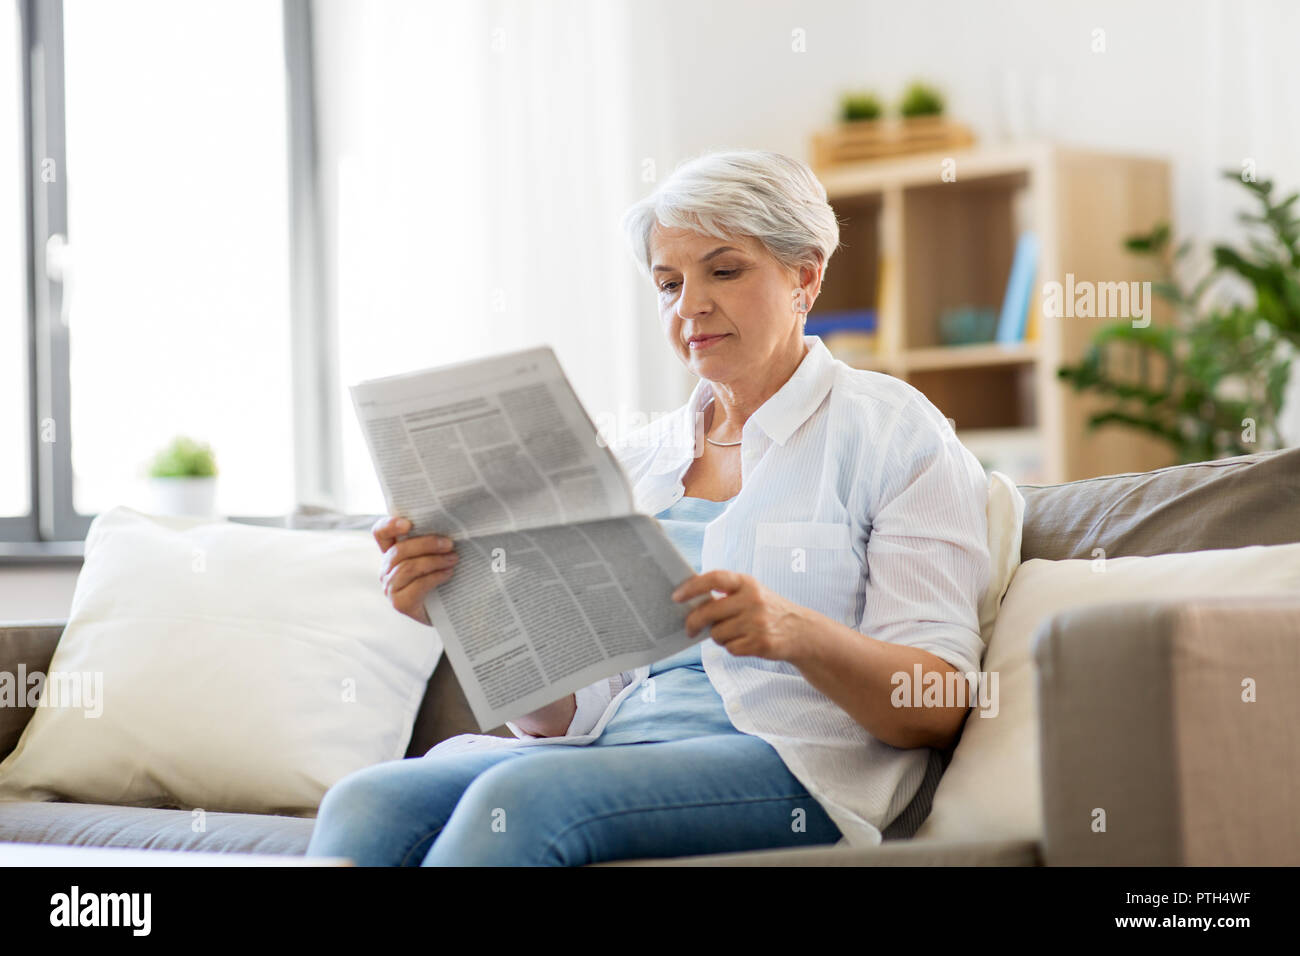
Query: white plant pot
184, 496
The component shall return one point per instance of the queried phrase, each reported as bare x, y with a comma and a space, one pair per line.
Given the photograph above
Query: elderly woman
843, 528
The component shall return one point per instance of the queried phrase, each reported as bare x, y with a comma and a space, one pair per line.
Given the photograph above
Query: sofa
1118, 707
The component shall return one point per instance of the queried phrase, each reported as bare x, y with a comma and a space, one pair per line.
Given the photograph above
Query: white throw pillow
992, 788
240, 668
1006, 516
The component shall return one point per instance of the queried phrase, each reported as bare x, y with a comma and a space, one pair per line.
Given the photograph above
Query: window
178, 226
155, 160
15, 461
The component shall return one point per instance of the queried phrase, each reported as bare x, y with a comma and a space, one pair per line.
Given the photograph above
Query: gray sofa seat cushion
1230, 503
84, 824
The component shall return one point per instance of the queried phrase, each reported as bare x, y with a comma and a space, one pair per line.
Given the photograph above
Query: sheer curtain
476, 157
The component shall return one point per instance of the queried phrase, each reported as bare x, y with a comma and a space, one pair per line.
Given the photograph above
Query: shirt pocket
811, 563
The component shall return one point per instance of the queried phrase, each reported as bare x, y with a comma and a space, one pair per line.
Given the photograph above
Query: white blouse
857, 501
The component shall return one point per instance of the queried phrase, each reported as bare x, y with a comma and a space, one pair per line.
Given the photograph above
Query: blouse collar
778, 418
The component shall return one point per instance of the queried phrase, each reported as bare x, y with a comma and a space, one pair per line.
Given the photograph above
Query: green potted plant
858, 106
1212, 382
866, 131
920, 99
183, 478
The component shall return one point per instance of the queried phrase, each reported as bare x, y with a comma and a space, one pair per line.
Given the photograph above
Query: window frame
52, 527
25, 527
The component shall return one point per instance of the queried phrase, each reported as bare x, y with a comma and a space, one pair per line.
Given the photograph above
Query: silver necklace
720, 444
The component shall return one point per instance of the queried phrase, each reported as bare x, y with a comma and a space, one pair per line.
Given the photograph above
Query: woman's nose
690, 305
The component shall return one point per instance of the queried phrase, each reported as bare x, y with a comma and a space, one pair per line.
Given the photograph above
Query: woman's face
727, 306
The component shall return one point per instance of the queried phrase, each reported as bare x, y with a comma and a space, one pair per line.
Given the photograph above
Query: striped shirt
859, 502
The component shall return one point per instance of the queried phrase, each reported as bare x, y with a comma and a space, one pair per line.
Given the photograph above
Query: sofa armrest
904, 852
1145, 717
25, 647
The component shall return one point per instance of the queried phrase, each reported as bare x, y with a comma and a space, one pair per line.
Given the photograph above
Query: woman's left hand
749, 620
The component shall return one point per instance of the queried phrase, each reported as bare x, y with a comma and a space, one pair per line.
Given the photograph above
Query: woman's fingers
408, 570
412, 593
729, 582
414, 548
711, 612
411, 567
387, 529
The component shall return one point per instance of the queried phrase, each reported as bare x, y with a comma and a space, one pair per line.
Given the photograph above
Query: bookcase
915, 246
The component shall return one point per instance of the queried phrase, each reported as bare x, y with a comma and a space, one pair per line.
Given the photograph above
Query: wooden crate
861, 140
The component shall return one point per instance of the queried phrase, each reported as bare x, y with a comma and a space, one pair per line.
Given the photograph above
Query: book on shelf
1034, 322
850, 335
843, 320
1020, 291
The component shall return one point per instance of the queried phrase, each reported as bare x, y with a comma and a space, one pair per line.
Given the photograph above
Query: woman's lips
704, 342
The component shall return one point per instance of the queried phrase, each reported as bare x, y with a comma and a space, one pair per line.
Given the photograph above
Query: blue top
684, 523
679, 700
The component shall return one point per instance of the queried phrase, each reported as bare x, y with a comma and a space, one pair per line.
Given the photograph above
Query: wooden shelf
917, 246
938, 357
969, 356
924, 169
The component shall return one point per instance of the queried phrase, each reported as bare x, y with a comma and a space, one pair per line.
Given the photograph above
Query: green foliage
860, 106
920, 99
184, 458
1197, 382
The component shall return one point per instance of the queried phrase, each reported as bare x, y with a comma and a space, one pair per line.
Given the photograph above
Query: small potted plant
866, 131
920, 99
183, 478
860, 106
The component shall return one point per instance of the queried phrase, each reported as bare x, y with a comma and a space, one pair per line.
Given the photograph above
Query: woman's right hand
412, 567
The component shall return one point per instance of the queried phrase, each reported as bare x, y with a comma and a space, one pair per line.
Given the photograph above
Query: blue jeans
566, 805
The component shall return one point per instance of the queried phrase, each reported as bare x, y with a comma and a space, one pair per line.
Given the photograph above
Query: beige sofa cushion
992, 786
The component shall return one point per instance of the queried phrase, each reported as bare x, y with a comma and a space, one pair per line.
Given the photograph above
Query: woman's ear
810, 286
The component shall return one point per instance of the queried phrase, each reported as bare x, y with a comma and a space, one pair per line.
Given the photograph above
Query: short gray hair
762, 195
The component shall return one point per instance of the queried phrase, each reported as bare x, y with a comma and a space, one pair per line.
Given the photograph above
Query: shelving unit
915, 246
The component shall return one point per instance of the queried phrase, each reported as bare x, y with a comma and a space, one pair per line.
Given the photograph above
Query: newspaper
560, 581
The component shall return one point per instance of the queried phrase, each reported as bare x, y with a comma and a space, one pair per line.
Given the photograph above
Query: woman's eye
720, 273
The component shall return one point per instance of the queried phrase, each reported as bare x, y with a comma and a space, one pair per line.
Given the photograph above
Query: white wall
36, 593
1202, 83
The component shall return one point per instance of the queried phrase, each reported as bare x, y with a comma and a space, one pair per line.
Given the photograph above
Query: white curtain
476, 157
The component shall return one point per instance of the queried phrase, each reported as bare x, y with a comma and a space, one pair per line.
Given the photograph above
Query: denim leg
388, 814
568, 806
